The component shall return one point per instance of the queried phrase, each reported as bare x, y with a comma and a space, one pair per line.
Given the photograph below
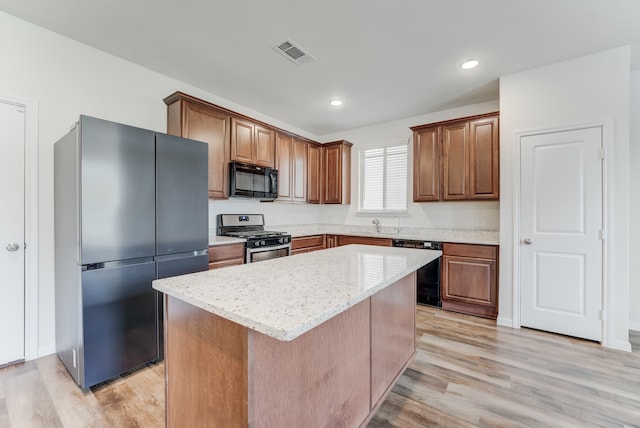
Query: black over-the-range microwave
252, 181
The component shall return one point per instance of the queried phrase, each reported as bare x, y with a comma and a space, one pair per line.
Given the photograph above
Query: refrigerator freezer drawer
119, 314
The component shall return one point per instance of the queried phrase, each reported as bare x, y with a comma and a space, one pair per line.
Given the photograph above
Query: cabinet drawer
225, 252
363, 240
307, 241
225, 263
470, 250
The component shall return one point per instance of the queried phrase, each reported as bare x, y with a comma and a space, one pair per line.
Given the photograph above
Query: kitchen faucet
377, 223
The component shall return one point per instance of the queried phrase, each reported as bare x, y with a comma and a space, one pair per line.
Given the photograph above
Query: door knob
13, 247
528, 241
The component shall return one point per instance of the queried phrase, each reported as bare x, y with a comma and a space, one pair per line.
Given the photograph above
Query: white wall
440, 215
584, 90
634, 203
66, 79
275, 213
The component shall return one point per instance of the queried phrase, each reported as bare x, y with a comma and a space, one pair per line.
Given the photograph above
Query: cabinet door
363, 240
226, 255
426, 164
242, 134
332, 159
484, 154
305, 244
264, 142
469, 285
455, 166
284, 146
314, 175
299, 171
212, 127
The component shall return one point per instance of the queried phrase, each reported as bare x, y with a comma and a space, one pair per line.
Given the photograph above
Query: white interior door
561, 248
12, 152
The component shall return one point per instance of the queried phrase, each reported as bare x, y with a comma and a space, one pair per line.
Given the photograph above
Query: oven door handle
270, 248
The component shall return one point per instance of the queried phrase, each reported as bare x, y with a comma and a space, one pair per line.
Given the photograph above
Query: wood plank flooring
467, 373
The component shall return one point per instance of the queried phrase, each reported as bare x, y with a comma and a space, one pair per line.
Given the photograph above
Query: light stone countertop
223, 240
288, 296
466, 236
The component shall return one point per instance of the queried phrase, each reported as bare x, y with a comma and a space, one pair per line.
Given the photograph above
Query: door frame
31, 279
606, 127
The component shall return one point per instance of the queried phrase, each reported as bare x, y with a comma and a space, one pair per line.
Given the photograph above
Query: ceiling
385, 59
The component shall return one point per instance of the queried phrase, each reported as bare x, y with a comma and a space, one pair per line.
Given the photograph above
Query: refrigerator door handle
115, 264
185, 255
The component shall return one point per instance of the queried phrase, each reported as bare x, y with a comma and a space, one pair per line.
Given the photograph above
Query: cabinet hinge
601, 314
602, 153
602, 235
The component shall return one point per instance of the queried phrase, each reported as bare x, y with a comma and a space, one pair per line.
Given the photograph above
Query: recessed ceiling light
467, 65
336, 103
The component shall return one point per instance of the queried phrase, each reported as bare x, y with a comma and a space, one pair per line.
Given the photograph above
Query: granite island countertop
288, 296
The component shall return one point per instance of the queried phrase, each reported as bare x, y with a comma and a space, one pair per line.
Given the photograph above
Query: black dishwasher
428, 276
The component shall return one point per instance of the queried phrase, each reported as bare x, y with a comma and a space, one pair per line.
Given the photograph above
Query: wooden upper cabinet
314, 174
426, 164
299, 165
455, 162
291, 163
484, 159
284, 145
189, 118
265, 145
242, 140
457, 159
252, 143
337, 172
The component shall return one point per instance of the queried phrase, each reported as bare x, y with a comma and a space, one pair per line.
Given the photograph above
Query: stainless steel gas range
261, 244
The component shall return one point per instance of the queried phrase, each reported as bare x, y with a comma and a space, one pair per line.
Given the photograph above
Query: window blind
383, 178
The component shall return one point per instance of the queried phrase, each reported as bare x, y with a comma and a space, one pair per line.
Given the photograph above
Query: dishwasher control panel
412, 243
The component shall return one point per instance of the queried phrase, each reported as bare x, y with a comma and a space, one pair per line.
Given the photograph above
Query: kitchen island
313, 340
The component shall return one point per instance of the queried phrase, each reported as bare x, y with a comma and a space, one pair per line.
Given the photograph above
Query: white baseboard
46, 350
505, 322
620, 345
634, 326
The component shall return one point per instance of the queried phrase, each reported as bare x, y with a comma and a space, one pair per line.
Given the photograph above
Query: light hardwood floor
467, 373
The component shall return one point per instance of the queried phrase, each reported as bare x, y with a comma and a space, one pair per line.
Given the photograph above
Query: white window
383, 178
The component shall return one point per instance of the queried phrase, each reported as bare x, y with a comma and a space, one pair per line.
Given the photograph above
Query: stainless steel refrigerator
131, 205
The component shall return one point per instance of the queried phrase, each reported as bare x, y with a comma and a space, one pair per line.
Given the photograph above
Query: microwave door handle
274, 183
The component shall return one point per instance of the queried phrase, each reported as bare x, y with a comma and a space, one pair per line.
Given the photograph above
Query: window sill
385, 213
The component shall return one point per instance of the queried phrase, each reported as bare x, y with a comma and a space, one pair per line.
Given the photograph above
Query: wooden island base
221, 374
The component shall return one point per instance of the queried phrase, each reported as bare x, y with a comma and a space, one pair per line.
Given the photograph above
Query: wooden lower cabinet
331, 241
469, 279
339, 240
305, 244
364, 240
226, 255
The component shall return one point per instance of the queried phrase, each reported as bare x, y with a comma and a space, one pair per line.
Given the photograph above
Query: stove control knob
261, 243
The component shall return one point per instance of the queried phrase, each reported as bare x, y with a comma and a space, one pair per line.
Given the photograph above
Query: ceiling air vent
293, 52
